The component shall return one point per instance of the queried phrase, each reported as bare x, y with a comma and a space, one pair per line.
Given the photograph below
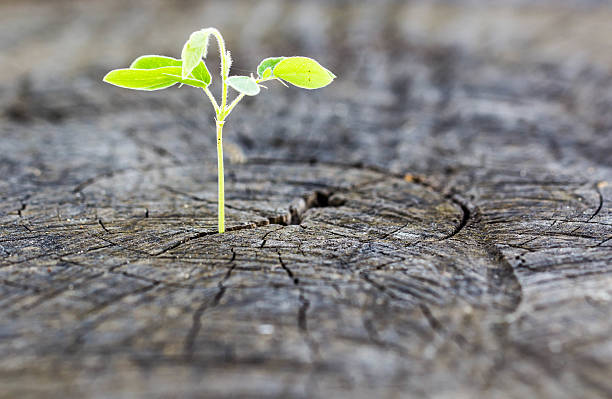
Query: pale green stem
221, 209
240, 97
232, 105
212, 100
224, 69
222, 112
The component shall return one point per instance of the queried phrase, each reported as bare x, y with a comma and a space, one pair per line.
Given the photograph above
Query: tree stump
436, 223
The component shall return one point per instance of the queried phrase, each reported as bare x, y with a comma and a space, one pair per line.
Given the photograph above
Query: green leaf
150, 79
267, 73
303, 72
139, 79
175, 72
194, 49
154, 62
268, 63
200, 72
244, 84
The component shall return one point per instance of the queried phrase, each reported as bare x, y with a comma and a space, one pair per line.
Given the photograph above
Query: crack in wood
23, 208
294, 279
182, 242
601, 201
264, 238
465, 217
194, 330
603, 242
103, 226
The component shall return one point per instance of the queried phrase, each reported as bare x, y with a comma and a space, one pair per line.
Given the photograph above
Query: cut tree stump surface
434, 224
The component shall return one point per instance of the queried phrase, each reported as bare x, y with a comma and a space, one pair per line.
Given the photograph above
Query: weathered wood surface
435, 224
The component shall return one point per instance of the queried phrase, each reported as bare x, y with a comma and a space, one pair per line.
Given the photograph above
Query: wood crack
294, 279
601, 201
465, 217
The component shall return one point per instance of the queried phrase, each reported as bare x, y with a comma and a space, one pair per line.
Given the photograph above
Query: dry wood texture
435, 224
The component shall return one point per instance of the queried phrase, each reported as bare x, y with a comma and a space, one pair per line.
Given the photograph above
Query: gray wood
434, 224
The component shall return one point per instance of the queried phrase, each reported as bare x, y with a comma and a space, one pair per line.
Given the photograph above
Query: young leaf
267, 73
244, 84
154, 61
303, 72
150, 79
194, 49
175, 72
139, 79
200, 72
268, 63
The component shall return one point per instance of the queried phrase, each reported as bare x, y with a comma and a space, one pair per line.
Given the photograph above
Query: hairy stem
212, 100
222, 112
224, 68
238, 98
233, 104
221, 209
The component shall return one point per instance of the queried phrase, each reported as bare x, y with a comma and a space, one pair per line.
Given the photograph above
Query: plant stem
229, 108
233, 104
224, 67
221, 205
222, 112
212, 100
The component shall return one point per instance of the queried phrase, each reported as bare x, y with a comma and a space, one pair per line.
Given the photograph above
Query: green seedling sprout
156, 72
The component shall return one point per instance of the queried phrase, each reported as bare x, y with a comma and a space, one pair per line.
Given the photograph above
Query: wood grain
435, 224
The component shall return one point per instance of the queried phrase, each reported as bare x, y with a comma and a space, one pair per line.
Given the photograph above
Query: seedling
156, 72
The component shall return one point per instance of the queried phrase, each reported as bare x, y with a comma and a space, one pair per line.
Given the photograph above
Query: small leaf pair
156, 72
299, 71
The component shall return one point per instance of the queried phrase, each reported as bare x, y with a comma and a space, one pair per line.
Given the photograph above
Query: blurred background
423, 85
65, 38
